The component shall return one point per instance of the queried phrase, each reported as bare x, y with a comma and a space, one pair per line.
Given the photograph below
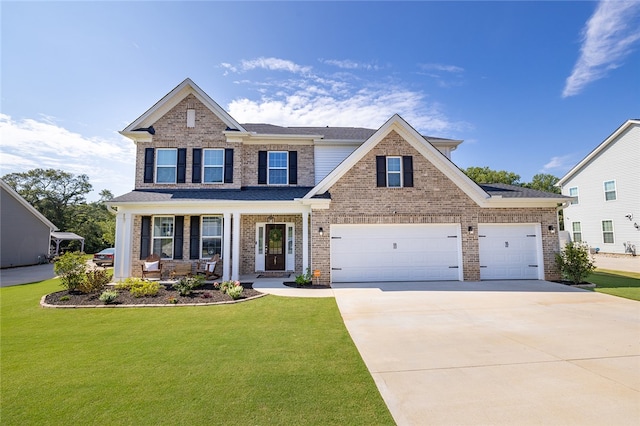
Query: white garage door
395, 253
510, 252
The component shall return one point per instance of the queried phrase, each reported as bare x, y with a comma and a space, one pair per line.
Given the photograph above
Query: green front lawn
617, 283
273, 360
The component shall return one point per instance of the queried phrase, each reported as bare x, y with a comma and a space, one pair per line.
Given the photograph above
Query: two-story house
352, 204
605, 212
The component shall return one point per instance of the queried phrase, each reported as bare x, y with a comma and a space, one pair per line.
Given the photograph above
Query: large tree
544, 182
487, 175
50, 191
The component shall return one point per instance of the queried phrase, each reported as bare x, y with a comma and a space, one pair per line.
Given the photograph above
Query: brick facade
434, 198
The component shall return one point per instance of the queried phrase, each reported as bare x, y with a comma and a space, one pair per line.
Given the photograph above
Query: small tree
71, 268
574, 262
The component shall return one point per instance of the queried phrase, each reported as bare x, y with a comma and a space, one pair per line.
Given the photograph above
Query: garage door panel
394, 252
509, 251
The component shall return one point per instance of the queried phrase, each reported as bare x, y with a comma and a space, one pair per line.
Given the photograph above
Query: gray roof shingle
513, 191
242, 194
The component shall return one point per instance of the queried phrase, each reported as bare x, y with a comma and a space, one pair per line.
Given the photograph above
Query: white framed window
213, 166
610, 190
163, 228
573, 192
607, 232
394, 172
211, 237
166, 165
277, 168
577, 232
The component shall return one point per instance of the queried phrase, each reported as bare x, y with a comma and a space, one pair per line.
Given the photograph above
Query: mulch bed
311, 286
206, 294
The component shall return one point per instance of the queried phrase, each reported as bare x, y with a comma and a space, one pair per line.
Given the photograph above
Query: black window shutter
407, 171
194, 238
145, 237
262, 167
228, 165
381, 170
149, 154
293, 167
196, 170
178, 236
182, 165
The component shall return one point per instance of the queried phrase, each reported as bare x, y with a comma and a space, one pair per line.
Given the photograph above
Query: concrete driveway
497, 353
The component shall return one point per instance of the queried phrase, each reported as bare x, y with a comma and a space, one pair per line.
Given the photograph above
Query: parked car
105, 257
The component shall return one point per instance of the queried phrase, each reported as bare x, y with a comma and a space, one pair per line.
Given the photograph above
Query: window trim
577, 200
615, 190
204, 166
575, 232
203, 236
285, 168
399, 172
163, 237
612, 232
174, 166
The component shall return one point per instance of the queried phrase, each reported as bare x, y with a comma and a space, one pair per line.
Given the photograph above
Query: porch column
235, 271
226, 249
122, 261
305, 241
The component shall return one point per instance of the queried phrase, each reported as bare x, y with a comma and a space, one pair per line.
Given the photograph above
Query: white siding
619, 161
327, 158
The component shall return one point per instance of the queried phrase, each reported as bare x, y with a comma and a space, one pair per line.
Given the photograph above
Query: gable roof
415, 139
603, 146
27, 206
169, 101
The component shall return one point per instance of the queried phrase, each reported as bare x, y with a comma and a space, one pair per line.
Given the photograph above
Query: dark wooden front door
274, 251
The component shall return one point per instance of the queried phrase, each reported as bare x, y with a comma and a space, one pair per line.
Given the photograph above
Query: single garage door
510, 252
395, 252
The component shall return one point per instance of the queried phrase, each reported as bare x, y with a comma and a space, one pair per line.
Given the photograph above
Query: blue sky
531, 87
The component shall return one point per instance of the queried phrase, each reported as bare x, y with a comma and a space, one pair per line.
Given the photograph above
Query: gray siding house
25, 233
606, 211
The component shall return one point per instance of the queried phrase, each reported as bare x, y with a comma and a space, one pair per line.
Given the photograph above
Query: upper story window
278, 167
573, 192
610, 190
577, 232
213, 165
607, 232
394, 171
278, 162
166, 165
163, 231
191, 117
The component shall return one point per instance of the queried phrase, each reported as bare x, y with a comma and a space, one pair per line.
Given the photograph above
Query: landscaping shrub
145, 288
108, 296
70, 267
186, 285
232, 288
575, 262
304, 279
235, 291
129, 282
94, 281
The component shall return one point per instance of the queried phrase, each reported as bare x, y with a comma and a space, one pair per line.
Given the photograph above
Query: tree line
61, 198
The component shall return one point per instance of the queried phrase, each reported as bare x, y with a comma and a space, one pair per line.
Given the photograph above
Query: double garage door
431, 252
395, 253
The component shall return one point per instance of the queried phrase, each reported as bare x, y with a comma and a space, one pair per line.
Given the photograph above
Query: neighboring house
25, 234
606, 185
352, 204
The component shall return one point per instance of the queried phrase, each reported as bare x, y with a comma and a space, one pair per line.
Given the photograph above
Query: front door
275, 256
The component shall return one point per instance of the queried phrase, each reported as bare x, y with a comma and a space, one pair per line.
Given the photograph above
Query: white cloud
313, 99
349, 64
559, 163
608, 38
442, 67
28, 144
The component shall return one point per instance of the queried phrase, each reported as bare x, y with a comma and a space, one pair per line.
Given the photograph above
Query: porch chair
210, 267
152, 266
